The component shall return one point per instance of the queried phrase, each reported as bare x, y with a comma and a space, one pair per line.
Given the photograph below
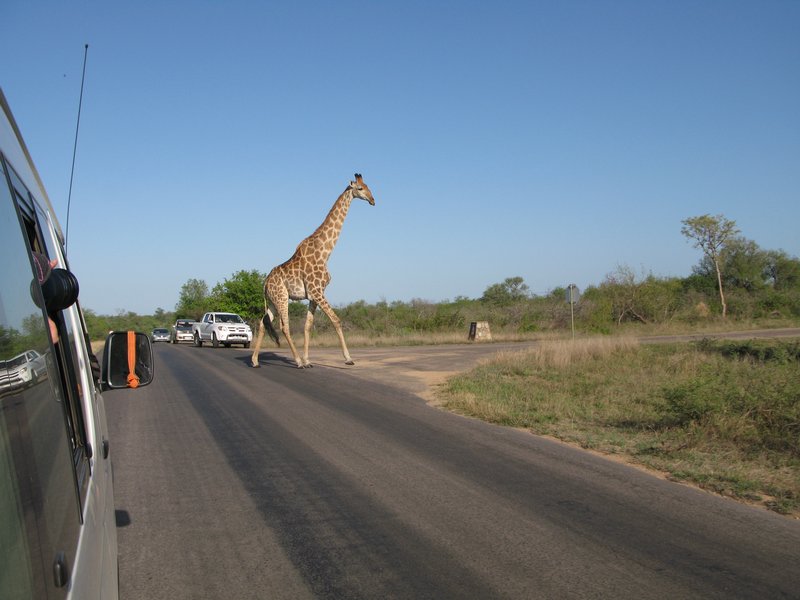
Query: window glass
68, 354
39, 513
71, 355
16, 576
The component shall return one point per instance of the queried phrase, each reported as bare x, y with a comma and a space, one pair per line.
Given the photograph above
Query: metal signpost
573, 295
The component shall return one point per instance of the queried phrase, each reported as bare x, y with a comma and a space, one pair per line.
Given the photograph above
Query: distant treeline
758, 284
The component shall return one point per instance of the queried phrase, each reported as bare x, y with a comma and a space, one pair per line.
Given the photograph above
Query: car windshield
184, 324
229, 319
160, 331
17, 361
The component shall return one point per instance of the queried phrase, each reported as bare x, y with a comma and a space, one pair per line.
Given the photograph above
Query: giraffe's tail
267, 320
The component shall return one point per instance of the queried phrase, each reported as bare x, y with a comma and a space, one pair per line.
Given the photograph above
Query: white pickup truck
221, 328
24, 369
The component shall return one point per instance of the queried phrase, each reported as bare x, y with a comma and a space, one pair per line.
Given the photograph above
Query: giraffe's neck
328, 232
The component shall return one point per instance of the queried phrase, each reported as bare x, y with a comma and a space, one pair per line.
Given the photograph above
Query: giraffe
305, 276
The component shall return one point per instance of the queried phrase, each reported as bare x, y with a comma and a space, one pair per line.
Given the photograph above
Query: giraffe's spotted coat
305, 276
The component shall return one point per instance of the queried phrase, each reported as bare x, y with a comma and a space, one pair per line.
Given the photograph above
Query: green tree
163, 316
193, 300
744, 264
624, 291
782, 271
8, 335
97, 326
711, 234
242, 294
513, 289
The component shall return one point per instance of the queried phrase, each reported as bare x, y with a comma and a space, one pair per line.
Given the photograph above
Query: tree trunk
719, 284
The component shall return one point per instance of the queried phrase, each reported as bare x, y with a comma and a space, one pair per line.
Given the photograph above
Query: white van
58, 535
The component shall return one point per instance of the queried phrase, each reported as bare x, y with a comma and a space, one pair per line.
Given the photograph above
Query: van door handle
60, 570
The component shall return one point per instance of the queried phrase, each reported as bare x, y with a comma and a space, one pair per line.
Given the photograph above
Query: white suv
23, 369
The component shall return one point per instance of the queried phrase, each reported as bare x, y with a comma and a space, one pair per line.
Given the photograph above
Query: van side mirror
127, 360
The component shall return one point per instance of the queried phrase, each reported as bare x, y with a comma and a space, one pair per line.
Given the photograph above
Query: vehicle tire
247, 344
197, 341
214, 340
226, 344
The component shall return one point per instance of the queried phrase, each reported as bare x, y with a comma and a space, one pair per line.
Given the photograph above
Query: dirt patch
405, 369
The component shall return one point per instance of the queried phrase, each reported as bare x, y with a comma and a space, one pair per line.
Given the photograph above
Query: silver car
160, 335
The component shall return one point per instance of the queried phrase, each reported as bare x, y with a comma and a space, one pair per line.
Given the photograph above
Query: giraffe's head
360, 190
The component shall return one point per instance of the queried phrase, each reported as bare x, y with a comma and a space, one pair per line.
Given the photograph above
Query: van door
40, 516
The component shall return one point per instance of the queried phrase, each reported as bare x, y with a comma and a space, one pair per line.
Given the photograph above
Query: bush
694, 400
747, 392
781, 352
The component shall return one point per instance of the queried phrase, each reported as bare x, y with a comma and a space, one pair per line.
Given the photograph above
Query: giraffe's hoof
255, 366
349, 362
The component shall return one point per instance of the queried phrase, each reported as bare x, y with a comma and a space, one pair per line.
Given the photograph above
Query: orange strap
133, 380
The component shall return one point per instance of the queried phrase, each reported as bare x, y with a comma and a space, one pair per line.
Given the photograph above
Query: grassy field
724, 415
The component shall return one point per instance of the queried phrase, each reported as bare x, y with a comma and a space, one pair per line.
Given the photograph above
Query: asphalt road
341, 482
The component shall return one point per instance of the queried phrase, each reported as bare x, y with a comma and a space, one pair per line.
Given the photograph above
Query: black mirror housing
128, 360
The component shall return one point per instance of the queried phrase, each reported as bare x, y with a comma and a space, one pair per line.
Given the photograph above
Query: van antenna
75, 147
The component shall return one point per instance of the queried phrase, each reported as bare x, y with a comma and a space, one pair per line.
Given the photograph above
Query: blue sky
554, 141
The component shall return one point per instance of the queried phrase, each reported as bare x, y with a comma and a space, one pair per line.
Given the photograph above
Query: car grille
11, 381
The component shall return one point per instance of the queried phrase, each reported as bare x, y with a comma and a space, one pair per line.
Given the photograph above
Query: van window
42, 239
40, 514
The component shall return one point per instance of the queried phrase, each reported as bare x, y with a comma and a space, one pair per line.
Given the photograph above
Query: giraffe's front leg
328, 310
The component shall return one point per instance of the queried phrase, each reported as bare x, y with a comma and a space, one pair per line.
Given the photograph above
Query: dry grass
563, 353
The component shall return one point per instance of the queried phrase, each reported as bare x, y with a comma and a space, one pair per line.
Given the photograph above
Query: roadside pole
573, 295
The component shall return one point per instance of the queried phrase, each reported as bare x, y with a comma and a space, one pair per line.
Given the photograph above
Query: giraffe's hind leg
259, 339
267, 318
282, 305
312, 307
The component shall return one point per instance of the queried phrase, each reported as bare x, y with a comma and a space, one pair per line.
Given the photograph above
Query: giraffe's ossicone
305, 276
